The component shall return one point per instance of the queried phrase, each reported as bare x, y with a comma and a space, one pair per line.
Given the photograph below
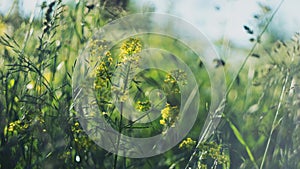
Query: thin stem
253, 48
29, 31
275, 119
223, 102
121, 116
13, 6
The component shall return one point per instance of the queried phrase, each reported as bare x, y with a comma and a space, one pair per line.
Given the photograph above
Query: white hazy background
226, 21
225, 18
217, 19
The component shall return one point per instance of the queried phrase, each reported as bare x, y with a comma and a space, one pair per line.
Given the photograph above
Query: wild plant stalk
40, 103
29, 30
274, 125
19, 51
121, 115
207, 129
129, 59
27, 36
25, 66
13, 6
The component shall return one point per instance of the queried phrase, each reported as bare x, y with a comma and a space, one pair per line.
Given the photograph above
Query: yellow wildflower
188, 143
165, 113
162, 122
110, 60
131, 46
143, 105
107, 53
11, 127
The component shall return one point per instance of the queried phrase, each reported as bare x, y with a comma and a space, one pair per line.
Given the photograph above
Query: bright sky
226, 22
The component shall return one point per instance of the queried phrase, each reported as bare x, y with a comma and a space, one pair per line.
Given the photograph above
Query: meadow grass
39, 127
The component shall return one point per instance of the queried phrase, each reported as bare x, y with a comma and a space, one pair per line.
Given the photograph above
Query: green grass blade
240, 138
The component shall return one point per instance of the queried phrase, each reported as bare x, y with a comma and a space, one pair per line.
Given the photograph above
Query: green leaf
240, 138
11, 83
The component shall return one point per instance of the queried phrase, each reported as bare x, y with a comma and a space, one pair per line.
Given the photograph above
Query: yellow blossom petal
162, 122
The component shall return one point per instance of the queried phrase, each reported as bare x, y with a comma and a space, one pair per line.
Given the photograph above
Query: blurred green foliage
39, 128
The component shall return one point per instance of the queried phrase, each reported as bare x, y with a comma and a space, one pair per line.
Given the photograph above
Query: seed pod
219, 62
249, 31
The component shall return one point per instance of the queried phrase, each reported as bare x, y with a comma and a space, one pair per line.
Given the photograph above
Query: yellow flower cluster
187, 143
169, 79
143, 105
168, 115
102, 75
14, 125
81, 139
76, 128
114, 71
129, 51
17, 126
174, 78
97, 46
165, 113
131, 46
217, 154
214, 151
